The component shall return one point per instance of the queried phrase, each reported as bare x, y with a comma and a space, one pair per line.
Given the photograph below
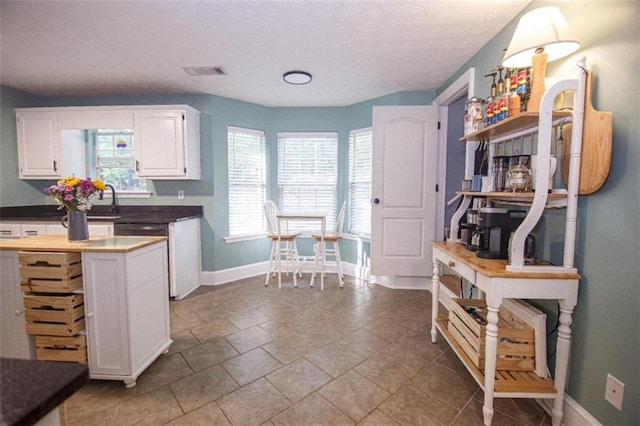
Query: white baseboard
573, 413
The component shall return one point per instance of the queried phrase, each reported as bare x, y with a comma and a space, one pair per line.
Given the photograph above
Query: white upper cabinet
167, 143
38, 145
166, 139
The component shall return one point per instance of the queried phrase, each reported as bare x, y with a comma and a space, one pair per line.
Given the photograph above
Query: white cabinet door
167, 143
15, 342
38, 145
159, 143
9, 230
95, 229
405, 148
106, 314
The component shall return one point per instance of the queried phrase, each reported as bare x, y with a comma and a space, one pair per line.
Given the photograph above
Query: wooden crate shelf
44, 272
68, 349
508, 383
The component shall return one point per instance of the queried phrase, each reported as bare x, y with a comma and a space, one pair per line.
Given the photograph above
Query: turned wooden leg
562, 360
491, 348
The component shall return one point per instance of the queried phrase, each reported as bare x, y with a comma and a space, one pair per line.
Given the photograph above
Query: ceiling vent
198, 71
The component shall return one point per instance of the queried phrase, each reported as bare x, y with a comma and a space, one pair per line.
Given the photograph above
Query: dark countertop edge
126, 214
25, 403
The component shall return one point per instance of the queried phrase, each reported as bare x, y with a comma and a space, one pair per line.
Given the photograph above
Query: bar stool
323, 252
284, 252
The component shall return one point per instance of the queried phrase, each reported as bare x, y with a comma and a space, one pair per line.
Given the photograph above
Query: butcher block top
94, 244
494, 267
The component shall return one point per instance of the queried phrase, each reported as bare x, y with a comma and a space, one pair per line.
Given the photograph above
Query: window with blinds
114, 160
308, 175
247, 181
360, 157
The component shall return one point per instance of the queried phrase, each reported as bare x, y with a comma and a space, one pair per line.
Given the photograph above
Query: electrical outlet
180, 195
614, 392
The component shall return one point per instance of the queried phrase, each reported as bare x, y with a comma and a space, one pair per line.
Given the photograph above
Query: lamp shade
541, 28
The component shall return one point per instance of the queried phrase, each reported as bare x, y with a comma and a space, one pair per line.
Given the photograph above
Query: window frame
355, 206
260, 184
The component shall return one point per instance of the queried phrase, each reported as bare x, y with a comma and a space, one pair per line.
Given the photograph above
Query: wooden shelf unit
518, 123
508, 383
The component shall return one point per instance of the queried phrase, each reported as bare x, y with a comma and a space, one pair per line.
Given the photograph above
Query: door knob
376, 201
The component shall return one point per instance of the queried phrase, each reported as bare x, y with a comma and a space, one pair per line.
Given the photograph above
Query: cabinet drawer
50, 272
9, 230
460, 268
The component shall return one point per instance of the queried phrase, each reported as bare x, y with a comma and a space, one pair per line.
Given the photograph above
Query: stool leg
315, 264
279, 265
271, 261
336, 251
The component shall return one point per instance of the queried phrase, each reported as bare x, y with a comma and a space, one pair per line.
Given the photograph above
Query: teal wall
606, 334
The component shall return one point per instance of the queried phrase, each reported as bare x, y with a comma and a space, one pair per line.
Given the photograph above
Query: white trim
573, 413
239, 238
463, 84
255, 132
310, 135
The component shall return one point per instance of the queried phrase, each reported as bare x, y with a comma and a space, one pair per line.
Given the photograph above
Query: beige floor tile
249, 338
298, 379
471, 415
378, 418
208, 354
203, 387
313, 410
335, 359
445, 385
207, 415
364, 342
182, 340
385, 371
249, 366
278, 327
354, 395
165, 370
288, 348
388, 329
184, 322
249, 318
253, 404
410, 406
213, 330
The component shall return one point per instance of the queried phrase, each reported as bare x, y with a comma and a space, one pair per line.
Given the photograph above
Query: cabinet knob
451, 264
18, 312
89, 315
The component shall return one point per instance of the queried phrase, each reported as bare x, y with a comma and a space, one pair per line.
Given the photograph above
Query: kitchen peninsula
124, 288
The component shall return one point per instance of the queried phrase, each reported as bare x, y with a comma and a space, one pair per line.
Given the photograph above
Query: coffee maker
496, 225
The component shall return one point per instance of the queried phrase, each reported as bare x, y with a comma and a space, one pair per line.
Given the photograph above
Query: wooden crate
54, 315
70, 349
516, 339
46, 272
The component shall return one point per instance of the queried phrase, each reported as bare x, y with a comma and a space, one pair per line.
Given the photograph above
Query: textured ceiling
356, 50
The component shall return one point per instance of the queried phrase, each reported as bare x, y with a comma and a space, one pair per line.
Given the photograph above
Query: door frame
463, 85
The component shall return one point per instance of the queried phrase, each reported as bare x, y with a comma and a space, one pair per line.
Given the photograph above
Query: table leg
562, 359
491, 349
435, 298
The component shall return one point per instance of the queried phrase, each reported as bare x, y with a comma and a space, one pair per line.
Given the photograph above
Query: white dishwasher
183, 251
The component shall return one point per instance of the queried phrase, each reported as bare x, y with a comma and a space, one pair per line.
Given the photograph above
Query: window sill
139, 194
240, 238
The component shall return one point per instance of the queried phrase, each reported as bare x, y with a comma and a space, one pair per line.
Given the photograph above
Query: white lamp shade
544, 27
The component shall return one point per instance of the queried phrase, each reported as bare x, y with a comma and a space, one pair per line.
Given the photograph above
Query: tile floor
245, 354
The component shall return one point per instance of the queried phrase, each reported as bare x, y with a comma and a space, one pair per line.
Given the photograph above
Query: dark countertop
126, 214
30, 389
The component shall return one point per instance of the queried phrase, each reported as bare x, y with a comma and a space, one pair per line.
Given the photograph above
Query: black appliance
495, 226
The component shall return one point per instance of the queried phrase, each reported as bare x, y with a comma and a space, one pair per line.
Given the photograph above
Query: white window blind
360, 156
308, 175
247, 181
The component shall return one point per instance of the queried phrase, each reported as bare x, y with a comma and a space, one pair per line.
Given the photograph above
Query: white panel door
403, 213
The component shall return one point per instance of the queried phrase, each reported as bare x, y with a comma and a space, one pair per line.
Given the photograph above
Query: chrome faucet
114, 200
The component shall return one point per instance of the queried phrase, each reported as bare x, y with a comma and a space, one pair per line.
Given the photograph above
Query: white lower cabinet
10, 230
126, 311
14, 340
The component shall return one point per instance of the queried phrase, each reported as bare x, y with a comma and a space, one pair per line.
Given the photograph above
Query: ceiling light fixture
297, 77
